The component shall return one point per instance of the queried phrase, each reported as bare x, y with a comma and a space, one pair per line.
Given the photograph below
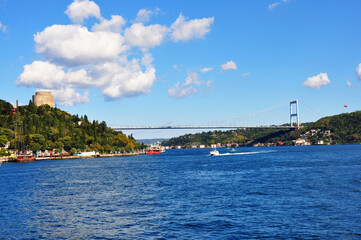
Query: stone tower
43, 97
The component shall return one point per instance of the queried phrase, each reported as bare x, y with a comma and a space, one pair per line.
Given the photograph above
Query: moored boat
25, 158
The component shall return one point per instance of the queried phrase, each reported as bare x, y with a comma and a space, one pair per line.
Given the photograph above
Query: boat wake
241, 153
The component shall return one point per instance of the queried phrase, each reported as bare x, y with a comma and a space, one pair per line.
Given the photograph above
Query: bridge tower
294, 114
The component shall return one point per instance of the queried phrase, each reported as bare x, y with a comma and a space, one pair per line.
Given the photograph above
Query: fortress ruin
43, 97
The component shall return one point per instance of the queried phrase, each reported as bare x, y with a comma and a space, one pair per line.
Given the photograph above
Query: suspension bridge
283, 116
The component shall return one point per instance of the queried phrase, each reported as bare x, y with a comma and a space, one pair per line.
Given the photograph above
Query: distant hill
151, 141
47, 128
339, 129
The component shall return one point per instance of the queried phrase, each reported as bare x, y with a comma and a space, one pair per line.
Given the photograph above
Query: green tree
3, 140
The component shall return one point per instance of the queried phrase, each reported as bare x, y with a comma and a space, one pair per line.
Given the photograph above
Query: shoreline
8, 159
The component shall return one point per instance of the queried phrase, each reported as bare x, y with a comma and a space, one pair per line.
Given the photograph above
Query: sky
156, 63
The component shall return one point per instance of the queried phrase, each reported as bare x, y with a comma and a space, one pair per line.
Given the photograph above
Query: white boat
214, 152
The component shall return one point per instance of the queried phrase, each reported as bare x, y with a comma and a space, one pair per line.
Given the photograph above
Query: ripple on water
285, 193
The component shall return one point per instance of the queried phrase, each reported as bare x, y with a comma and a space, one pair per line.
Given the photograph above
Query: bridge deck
199, 127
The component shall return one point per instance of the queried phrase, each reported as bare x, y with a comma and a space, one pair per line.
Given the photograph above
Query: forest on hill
339, 129
47, 128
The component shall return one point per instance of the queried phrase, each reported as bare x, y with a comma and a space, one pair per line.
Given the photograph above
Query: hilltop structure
43, 97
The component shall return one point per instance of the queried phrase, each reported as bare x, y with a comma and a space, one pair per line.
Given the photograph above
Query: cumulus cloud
41, 74
127, 79
229, 66
142, 36
183, 30
115, 25
68, 97
144, 15
3, 28
115, 79
77, 60
358, 71
317, 81
74, 45
204, 70
82, 9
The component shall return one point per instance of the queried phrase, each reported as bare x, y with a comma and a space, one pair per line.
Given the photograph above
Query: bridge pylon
294, 114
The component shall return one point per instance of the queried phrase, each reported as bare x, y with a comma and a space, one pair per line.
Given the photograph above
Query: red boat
153, 150
25, 158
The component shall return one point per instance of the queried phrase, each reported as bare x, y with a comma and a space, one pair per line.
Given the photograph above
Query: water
311, 192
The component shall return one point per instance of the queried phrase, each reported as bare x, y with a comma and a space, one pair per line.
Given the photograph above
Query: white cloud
120, 80
181, 91
77, 60
275, 4
48, 75
317, 81
41, 74
115, 25
204, 70
68, 97
144, 15
192, 78
358, 71
82, 9
3, 28
246, 74
183, 30
114, 79
142, 36
229, 66
74, 45
350, 84
191, 85
209, 84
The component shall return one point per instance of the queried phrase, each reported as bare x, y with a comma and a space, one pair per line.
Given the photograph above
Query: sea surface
308, 192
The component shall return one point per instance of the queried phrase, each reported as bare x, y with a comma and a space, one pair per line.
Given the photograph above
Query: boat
154, 150
25, 158
214, 152
233, 150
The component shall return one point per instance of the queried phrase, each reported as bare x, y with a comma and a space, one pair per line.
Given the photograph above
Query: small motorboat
214, 152
233, 150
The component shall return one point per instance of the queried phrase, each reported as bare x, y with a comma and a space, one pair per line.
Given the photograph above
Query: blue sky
182, 62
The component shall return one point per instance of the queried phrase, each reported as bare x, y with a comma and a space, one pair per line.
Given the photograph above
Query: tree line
47, 128
343, 129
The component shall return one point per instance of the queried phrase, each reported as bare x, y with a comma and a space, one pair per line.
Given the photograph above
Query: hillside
339, 129
47, 128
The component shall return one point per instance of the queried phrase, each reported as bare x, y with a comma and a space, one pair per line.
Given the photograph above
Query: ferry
25, 158
154, 150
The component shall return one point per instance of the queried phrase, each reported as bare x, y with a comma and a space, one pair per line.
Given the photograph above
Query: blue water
311, 192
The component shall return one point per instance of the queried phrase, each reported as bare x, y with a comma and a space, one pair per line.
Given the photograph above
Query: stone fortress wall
43, 97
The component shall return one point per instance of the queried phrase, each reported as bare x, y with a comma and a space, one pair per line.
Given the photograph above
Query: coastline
9, 159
